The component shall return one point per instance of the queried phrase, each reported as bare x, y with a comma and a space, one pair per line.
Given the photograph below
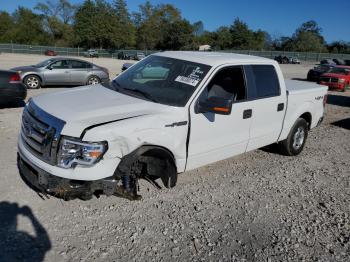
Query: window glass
265, 80
61, 64
162, 79
228, 83
79, 64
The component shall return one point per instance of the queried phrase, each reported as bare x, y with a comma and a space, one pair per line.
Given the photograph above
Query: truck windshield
161, 79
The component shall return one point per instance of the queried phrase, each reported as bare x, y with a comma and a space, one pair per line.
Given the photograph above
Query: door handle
247, 113
67, 72
280, 107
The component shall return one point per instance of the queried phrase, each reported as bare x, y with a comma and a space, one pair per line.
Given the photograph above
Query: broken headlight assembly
73, 152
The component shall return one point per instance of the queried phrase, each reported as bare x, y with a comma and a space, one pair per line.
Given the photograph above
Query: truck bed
298, 87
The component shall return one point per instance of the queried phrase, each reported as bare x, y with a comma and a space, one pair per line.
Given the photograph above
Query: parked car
91, 53
139, 56
327, 62
337, 78
293, 60
338, 61
50, 53
11, 87
62, 71
187, 111
124, 56
126, 66
315, 73
282, 59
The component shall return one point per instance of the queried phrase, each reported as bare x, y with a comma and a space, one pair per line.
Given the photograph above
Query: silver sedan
62, 71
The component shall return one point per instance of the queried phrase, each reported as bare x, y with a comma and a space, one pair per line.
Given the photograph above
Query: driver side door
215, 137
58, 73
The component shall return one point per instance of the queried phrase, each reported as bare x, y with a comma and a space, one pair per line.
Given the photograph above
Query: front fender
126, 136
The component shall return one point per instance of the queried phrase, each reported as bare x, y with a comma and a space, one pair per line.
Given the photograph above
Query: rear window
79, 64
265, 80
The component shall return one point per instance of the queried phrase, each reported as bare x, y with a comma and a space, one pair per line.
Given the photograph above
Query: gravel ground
259, 206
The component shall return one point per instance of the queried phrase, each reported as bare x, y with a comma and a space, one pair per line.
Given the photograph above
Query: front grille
40, 132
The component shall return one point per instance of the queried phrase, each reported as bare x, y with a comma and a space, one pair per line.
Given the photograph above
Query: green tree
308, 38
58, 16
124, 28
179, 35
245, 38
95, 24
222, 38
28, 28
6, 27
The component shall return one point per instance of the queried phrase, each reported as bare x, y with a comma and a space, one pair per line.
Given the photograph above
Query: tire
296, 139
32, 82
93, 80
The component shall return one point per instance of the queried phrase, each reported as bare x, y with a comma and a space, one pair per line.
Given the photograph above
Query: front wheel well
308, 118
28, 75
157, 162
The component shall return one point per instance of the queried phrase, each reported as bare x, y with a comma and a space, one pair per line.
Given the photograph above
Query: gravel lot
259, 206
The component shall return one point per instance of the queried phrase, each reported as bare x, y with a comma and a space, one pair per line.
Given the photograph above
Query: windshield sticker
197, 74
187, 80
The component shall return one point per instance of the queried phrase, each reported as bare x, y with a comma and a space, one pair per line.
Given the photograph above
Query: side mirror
49, 67
217, 105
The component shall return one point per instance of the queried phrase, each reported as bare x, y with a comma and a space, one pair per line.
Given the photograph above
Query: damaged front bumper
46, 184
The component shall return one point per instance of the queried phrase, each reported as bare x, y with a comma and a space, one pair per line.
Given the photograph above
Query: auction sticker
187, 80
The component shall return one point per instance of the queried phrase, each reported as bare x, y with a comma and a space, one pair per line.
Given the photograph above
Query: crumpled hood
91, 105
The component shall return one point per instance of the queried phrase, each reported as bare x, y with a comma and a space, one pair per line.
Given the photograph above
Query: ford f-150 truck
167, 114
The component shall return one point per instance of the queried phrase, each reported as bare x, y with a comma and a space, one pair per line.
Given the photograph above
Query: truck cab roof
215, 58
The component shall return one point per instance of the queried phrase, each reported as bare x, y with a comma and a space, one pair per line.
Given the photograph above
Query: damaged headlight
74, 152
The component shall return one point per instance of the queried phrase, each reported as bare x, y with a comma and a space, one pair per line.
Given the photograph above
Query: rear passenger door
79, 71
268, 105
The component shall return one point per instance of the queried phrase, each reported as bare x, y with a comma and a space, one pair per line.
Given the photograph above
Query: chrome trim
41, 132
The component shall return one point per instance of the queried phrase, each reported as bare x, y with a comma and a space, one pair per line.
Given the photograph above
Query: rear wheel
93, 80
296, 139
32, 82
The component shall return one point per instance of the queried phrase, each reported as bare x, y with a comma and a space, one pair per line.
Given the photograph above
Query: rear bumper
13, 92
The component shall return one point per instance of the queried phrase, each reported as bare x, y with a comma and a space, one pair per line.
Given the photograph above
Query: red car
337, 78
50, 53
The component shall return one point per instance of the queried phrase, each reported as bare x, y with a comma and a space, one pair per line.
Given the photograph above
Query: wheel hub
298, 138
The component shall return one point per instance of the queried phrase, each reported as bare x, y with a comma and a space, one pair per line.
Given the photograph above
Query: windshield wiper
144, 94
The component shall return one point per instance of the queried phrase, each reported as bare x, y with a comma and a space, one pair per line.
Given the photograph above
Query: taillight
15, 78
324, 100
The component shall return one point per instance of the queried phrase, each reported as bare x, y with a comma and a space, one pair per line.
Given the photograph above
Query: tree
223, 38
179, 35
124, 28
244, 38
57, 18
95, 24
308, 38
28, 28
6, 27
339, 47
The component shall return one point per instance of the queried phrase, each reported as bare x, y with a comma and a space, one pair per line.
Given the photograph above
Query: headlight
341, 80
73, 152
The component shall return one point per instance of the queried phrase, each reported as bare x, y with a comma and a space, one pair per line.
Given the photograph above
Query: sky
278, 17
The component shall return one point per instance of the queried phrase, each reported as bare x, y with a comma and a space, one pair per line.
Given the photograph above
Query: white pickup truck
167, 114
